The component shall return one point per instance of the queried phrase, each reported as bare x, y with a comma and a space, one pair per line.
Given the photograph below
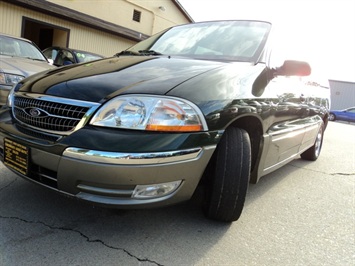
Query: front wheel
228, 176
313, 152
332, 117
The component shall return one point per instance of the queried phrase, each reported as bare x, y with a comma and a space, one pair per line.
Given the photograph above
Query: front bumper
110, 178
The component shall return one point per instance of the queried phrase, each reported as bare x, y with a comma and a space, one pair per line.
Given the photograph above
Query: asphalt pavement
302, 214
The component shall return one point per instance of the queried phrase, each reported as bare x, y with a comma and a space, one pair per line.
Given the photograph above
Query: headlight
150, 113
10, 79
10, 97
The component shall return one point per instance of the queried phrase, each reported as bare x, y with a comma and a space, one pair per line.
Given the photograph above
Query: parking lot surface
302, 214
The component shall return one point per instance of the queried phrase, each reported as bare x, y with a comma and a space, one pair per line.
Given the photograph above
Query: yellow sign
16, 156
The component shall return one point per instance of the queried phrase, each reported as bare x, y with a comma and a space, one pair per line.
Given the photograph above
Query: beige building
100, 26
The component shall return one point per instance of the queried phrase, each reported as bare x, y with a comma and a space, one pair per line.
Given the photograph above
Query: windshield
219, 40
86, 57
19, 48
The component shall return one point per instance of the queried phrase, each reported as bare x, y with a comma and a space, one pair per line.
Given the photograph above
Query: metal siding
10, 19
81, 37
342, 94
85, 38
120, 12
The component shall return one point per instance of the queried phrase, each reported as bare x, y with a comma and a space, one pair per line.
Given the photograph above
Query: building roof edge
78, 17
183, 10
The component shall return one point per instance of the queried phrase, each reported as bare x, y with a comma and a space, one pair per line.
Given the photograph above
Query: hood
22, 66
100, 80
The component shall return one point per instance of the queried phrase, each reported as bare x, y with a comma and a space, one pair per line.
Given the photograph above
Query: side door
318, 101
289, 111
348, 115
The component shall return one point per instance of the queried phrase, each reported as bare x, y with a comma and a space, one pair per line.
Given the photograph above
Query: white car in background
19, 58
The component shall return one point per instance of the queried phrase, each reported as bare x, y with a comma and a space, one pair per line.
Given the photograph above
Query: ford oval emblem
36, 112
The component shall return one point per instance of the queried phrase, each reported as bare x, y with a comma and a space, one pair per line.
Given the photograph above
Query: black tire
332, 117
313, 152
228, 176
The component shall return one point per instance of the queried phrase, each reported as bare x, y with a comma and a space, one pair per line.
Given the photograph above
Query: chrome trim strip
48, 177
133, 158
105, 191
59, 100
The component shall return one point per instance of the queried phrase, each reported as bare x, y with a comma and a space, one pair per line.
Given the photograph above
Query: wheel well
254, 128
325, 121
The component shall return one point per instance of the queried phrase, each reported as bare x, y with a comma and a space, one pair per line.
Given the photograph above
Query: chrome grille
36, 134
51, 116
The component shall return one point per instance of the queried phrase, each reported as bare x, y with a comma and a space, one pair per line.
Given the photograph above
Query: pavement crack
322, 172
312, 170
7, 185
346, 174
88, 239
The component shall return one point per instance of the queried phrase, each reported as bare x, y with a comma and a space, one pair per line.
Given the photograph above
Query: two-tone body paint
225, 93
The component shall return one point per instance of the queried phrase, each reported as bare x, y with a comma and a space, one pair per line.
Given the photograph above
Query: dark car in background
197, 105
61, 56
347, 114
19, 58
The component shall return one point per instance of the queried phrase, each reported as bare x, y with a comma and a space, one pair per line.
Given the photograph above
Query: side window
286, 46
279, 53
285, 88
68, 58
275, 60
51, 53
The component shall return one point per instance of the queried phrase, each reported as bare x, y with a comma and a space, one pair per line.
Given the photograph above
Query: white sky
326, 27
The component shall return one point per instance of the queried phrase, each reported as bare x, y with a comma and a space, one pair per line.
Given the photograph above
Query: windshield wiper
139, 53
149, 52
35, 59
127, 53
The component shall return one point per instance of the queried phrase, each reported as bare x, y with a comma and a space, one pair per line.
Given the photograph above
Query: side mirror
294, 68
